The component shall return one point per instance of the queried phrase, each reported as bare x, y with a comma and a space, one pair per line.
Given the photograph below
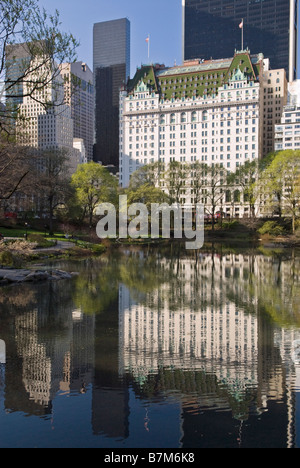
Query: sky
153, 17
161, 19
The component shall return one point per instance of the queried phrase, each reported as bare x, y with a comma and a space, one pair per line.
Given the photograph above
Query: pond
155, 349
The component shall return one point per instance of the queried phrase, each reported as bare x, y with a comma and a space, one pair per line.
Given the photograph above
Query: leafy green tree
146, 194
280, 184
245, 179
94, 185
144, 186
177, 180
150, 175
270, 186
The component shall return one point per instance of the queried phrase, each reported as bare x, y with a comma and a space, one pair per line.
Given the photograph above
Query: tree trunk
51, 230
91, 217
293, 221
213, 219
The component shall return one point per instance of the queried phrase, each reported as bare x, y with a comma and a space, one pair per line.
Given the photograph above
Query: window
183, 117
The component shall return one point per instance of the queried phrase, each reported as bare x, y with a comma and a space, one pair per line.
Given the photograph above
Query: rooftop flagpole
242, 28
148, 42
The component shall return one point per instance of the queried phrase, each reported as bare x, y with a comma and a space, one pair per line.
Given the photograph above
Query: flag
241, 24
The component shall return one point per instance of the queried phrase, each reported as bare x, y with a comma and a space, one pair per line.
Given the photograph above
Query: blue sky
159, 18
154, 17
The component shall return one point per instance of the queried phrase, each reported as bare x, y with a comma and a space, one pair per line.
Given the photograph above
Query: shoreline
10, 275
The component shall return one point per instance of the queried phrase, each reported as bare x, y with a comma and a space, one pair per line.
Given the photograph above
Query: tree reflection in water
212, 330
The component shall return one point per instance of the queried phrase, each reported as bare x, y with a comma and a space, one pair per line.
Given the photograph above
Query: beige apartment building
275, 95
79, 95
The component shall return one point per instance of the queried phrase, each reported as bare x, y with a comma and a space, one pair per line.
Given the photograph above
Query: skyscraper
79, 95
211, 29
36, 93
111, 52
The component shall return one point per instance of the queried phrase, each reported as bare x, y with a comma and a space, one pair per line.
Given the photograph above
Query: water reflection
155, 349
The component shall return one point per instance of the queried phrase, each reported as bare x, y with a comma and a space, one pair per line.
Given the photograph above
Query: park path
60, 245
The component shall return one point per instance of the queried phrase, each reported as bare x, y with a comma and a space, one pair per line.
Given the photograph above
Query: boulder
28, 276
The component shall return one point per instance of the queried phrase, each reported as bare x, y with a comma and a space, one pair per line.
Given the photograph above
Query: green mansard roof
196, 79
147, 74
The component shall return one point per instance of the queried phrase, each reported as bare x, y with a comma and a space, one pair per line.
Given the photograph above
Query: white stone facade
45, 122
220, 129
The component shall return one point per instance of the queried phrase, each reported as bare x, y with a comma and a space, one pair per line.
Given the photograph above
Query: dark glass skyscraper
211, 30
111, 51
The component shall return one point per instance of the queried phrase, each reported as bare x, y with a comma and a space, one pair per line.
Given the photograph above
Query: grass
21, 232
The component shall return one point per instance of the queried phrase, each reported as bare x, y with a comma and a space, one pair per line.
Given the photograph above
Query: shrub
95, 248
40, 241
230, 225
272, 228
98, 248
6, 258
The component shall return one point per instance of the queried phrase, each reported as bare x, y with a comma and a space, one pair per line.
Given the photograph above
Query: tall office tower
43, 121
79, 95
44, 126
111, 51
211, 29
18, 59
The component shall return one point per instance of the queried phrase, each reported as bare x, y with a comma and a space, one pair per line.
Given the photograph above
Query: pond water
155, 349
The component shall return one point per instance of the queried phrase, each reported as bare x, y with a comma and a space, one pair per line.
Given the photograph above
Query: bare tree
14, 169
32, 48
52, 184
214, 182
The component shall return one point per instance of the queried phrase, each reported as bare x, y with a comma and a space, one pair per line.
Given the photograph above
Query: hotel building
207, 111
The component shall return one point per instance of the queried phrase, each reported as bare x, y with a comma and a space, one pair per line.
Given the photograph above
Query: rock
37, 276
28, 276
14, 276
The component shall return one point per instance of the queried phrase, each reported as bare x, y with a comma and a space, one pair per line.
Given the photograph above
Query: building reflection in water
51, 350
202, 333
203, 337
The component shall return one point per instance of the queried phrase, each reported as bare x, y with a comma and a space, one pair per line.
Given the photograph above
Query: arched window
228, 196
172, 119
194, 116
237, 196
162, 119
205, 115
183, 117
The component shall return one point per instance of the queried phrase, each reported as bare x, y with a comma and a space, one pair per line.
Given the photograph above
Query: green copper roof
147, 74
197, 79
